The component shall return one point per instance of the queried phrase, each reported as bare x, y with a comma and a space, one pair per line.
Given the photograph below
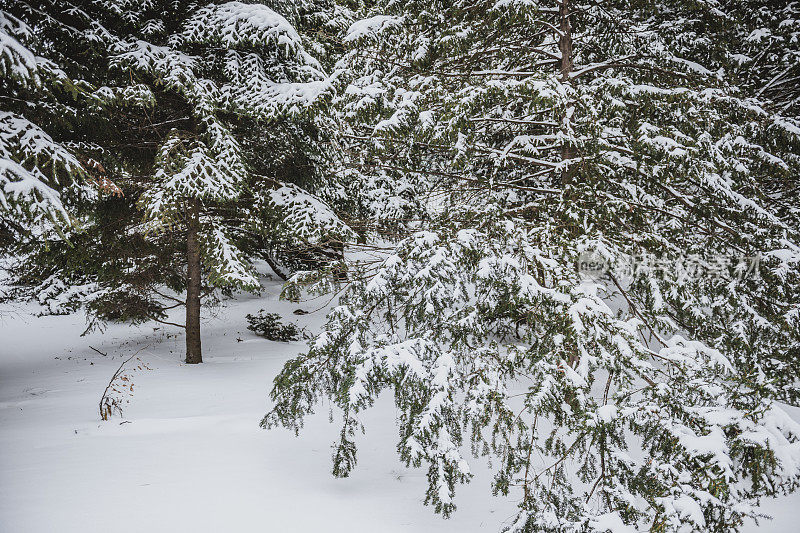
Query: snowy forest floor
188, 454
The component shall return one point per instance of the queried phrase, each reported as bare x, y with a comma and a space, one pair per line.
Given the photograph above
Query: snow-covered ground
188, 454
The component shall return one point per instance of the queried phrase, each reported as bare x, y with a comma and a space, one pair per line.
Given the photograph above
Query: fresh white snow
188, 454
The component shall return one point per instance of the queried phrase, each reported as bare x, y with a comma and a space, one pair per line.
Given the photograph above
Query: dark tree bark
565, 40
567, 152
566, 66
194, 353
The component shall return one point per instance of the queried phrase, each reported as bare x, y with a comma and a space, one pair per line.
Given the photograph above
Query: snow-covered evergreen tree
531, 137
210, 108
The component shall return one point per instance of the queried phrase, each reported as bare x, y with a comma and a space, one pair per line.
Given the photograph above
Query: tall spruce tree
245, 60
532, 137
211, 140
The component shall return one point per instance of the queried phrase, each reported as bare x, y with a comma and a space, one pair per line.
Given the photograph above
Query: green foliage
643, 397
35, 166
175, 103
269, 326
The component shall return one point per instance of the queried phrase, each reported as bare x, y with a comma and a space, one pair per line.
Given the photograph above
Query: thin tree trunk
565, 40
566, 66
567, 151
194, 353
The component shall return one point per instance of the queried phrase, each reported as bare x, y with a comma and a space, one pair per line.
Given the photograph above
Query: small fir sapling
269, 326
